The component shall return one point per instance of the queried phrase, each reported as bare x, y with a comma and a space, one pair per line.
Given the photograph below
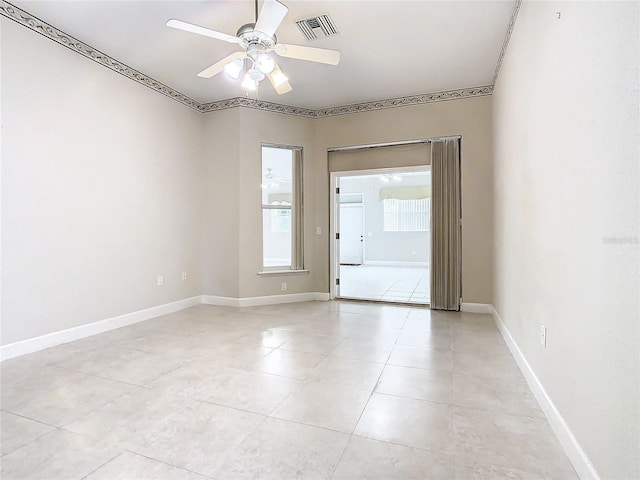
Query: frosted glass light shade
256, 75
249, 83
234, 69
265, 64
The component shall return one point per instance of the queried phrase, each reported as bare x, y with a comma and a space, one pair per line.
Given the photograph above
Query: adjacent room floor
385, 283
319, 390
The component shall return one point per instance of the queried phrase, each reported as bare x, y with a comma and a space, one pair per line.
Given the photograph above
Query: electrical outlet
543, 336
160, 280
184, 276
284, 286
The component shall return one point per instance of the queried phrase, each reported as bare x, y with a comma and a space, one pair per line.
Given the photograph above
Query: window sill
266, 273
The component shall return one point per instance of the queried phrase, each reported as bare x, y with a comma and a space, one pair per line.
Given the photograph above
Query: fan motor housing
249, 37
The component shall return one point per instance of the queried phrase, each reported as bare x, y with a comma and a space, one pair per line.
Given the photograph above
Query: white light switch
160, 280
318, 231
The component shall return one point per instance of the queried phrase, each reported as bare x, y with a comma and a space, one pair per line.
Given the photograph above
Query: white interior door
351, 234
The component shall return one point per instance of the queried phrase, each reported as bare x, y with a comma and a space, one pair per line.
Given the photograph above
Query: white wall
378, 244
566, 175
101, 191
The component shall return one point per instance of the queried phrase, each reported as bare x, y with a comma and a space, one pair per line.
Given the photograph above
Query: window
406, 209
281, 208
281, 218
406, 215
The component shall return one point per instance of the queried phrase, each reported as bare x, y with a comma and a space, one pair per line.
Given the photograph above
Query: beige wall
566, 175
233, 222
107, 184
101, 191
413, 155
220, 215
238, 134
470, 118
256, 127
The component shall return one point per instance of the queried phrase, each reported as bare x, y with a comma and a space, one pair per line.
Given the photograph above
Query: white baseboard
267, 300
220, 301
35, 344
476, 308
578, 457
391, 263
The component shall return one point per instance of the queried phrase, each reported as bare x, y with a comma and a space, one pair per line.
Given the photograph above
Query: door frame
334, 217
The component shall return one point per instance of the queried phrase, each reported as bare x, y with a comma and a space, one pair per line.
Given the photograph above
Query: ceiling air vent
317, 27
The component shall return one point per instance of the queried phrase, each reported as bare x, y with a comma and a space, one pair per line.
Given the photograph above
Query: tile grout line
356, 425
162, 461
98, 468
344, 450
33, 439
351, 435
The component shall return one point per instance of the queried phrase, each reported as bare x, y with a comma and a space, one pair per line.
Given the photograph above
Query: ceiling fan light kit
265, 63
258, 40
234, 68
249, 84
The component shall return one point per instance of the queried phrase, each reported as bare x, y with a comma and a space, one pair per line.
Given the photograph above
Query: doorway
382, 234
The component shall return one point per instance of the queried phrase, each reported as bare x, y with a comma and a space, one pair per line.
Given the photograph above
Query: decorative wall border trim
257, 105
27, 20
347, 109
507, 37
406, 101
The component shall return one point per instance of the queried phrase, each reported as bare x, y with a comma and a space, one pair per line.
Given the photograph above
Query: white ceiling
388, 48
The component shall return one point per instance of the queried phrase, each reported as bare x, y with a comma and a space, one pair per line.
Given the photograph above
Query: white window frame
297, 210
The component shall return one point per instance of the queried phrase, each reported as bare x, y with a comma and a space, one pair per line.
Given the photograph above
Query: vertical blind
445, 225
297, 247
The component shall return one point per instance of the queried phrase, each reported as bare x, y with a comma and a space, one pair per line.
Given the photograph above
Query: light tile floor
385, 283
319, 390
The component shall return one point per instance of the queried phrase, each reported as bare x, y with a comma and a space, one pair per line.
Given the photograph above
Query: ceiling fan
270, 180
258, 40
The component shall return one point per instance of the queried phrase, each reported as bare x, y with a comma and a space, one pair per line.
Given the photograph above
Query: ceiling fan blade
271, 16
207, 32
279, 81
311, 54
217, 67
